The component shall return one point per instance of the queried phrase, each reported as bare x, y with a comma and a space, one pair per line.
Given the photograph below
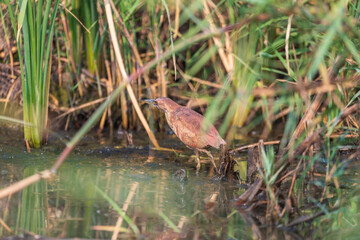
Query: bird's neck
167, 115
171, 121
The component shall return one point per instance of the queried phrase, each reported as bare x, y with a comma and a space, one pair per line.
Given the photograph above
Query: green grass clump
36, 19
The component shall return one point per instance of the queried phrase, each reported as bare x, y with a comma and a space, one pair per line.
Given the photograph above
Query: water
165, 197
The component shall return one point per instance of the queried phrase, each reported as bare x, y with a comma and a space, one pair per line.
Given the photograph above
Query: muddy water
161, 193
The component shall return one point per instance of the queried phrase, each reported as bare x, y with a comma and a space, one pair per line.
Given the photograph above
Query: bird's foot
216, 169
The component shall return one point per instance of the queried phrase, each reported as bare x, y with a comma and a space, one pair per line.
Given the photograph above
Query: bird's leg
211, 158
198, 160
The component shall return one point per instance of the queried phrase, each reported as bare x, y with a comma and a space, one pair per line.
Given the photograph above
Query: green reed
36, 20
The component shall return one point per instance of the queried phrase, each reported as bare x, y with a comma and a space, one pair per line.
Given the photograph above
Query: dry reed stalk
139, 79
293, 178
312, 88
46, 174
134, 49
282, 114
250, 193
181, 223
27, 146
204, 82
109, 89
69, 47
158, 51
123, 103
85, 105
2, 222
9, 95
212, 201
67, 123
6, 209
306, 218
169, 150
124, 74
344, 136
77, 19
254, 145
345, 113
124, 208
287, 37
111, 124
307, 118
228, 42
134, 117
198, 102
59, 70
306, 143
286, 175
225, 58
133, 123
160, 69
102, 122
108, 228
328, 177
177, 17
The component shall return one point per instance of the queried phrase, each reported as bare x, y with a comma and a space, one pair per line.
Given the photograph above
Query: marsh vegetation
278, 79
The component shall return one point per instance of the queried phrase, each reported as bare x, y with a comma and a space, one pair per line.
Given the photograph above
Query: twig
250, 193
63, 5
254, 145
311, 88
6, 226
303, 219
85, 105
24, 183
195, 79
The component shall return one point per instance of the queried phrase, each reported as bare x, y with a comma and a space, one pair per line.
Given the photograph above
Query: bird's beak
151, 102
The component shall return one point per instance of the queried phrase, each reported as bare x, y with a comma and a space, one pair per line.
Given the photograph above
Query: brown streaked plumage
189, 126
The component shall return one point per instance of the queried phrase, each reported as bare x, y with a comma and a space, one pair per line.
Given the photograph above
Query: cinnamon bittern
190, 127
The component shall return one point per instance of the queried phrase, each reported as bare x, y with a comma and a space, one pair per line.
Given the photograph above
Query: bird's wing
188, 128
